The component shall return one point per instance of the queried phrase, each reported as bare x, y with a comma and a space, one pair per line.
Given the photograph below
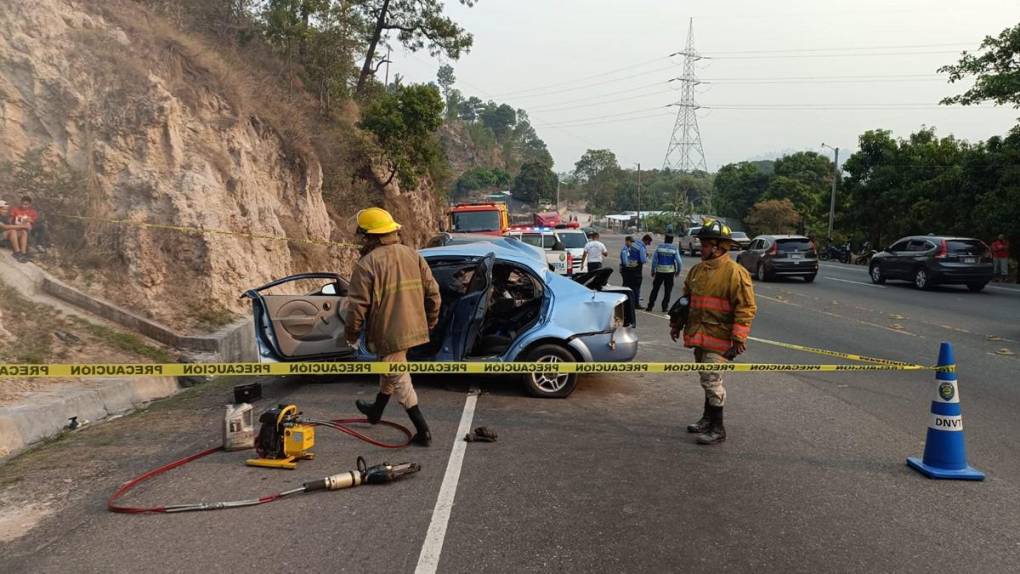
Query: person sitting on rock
14, 233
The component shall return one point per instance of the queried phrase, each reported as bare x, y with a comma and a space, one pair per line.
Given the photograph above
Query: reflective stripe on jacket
394, 297
666, 259
721, 305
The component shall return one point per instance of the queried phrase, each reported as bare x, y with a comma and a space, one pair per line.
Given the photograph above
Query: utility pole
557, 193
835, 178
639, 197
684, 152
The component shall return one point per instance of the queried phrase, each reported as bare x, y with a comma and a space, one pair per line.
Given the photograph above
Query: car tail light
943, 250
775, 249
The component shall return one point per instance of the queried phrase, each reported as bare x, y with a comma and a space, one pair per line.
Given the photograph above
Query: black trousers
632, 280
661, 280
594, 265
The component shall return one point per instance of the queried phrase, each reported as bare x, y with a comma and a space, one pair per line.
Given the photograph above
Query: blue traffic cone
944, 454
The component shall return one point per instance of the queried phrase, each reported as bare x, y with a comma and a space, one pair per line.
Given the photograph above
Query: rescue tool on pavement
283, 438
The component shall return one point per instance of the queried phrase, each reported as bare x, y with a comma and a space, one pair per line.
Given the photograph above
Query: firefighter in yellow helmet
395, 300
721, 306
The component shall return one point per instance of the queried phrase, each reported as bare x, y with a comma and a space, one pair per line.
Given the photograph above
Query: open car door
464, 308
301, 317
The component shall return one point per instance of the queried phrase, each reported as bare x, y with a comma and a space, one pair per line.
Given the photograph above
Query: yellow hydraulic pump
283, 439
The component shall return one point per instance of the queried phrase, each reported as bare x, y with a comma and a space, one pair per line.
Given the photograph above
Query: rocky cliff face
163, 133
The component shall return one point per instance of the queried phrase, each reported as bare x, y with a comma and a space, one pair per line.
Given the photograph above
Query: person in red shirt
16, 233
1000, 258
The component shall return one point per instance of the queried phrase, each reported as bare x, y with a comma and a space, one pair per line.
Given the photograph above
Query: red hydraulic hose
337, 424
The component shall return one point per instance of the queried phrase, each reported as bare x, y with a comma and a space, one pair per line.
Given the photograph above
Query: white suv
560, 260
573, 241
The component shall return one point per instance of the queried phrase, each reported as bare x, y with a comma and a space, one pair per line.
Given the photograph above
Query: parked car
689, 242
929, 260
500, 304
741, 240
770, 256
559, 258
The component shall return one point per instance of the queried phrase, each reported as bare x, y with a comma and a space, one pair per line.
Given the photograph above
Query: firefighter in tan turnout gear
395, 299
721, 307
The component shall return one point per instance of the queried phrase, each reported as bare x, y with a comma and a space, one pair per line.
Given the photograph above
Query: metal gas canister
238, 427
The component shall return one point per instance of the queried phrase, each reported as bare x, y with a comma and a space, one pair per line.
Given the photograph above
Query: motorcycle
836, 253
863, 257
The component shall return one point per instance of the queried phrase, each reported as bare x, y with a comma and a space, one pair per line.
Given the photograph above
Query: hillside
109, 113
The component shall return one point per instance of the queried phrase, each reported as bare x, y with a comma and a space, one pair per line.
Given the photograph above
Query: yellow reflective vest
721, 304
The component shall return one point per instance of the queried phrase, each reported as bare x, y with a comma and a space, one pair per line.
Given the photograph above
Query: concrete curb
45, 414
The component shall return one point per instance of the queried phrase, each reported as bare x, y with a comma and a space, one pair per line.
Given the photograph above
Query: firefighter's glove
481, 434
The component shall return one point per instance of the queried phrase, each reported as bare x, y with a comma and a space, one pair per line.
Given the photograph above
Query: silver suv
690, 243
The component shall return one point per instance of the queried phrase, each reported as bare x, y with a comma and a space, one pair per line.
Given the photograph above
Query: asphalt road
811, 479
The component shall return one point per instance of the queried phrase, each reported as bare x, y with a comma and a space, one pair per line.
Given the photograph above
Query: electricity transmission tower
685, 153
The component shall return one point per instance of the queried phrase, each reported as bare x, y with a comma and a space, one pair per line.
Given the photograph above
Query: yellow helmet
376, 221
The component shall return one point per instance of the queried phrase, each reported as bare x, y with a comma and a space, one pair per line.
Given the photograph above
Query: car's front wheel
550, 385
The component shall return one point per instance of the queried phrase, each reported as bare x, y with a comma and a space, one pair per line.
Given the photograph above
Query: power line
849, 55
603, 102
846, 49
586, 86
581, 78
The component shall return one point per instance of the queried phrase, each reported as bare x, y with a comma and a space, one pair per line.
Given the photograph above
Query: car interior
511, 299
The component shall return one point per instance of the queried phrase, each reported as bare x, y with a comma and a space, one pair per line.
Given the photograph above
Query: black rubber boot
422, 436
716, 432
374, 410
703, 424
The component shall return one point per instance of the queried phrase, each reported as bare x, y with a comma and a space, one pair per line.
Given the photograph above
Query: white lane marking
428, 560
854, 282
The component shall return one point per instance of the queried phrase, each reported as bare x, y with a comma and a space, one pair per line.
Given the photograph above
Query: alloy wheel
550, 382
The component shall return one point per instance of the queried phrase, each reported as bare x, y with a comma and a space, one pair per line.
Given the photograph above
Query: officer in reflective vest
632, 261
666, 265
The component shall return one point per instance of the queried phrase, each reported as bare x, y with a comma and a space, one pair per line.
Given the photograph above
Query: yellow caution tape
379, 368
849, 356
203, 230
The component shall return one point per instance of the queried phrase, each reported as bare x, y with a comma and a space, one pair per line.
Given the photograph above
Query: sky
778, 76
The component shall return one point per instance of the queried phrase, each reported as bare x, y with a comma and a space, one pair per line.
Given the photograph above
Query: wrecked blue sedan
500, 304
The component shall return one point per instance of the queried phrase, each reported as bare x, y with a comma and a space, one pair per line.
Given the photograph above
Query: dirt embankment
160, 128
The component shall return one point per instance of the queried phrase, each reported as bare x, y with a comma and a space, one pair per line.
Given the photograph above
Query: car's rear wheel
976, 287
760, 274
921, 279
877, 277
809, 278
550, 385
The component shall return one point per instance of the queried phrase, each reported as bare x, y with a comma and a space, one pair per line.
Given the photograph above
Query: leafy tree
996, 72
597, 169
446, 79
418, 23
481, 178
403, 122
470, 108
536, 183
526, 145
500, 118
454, 99
738, 186
773, 216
